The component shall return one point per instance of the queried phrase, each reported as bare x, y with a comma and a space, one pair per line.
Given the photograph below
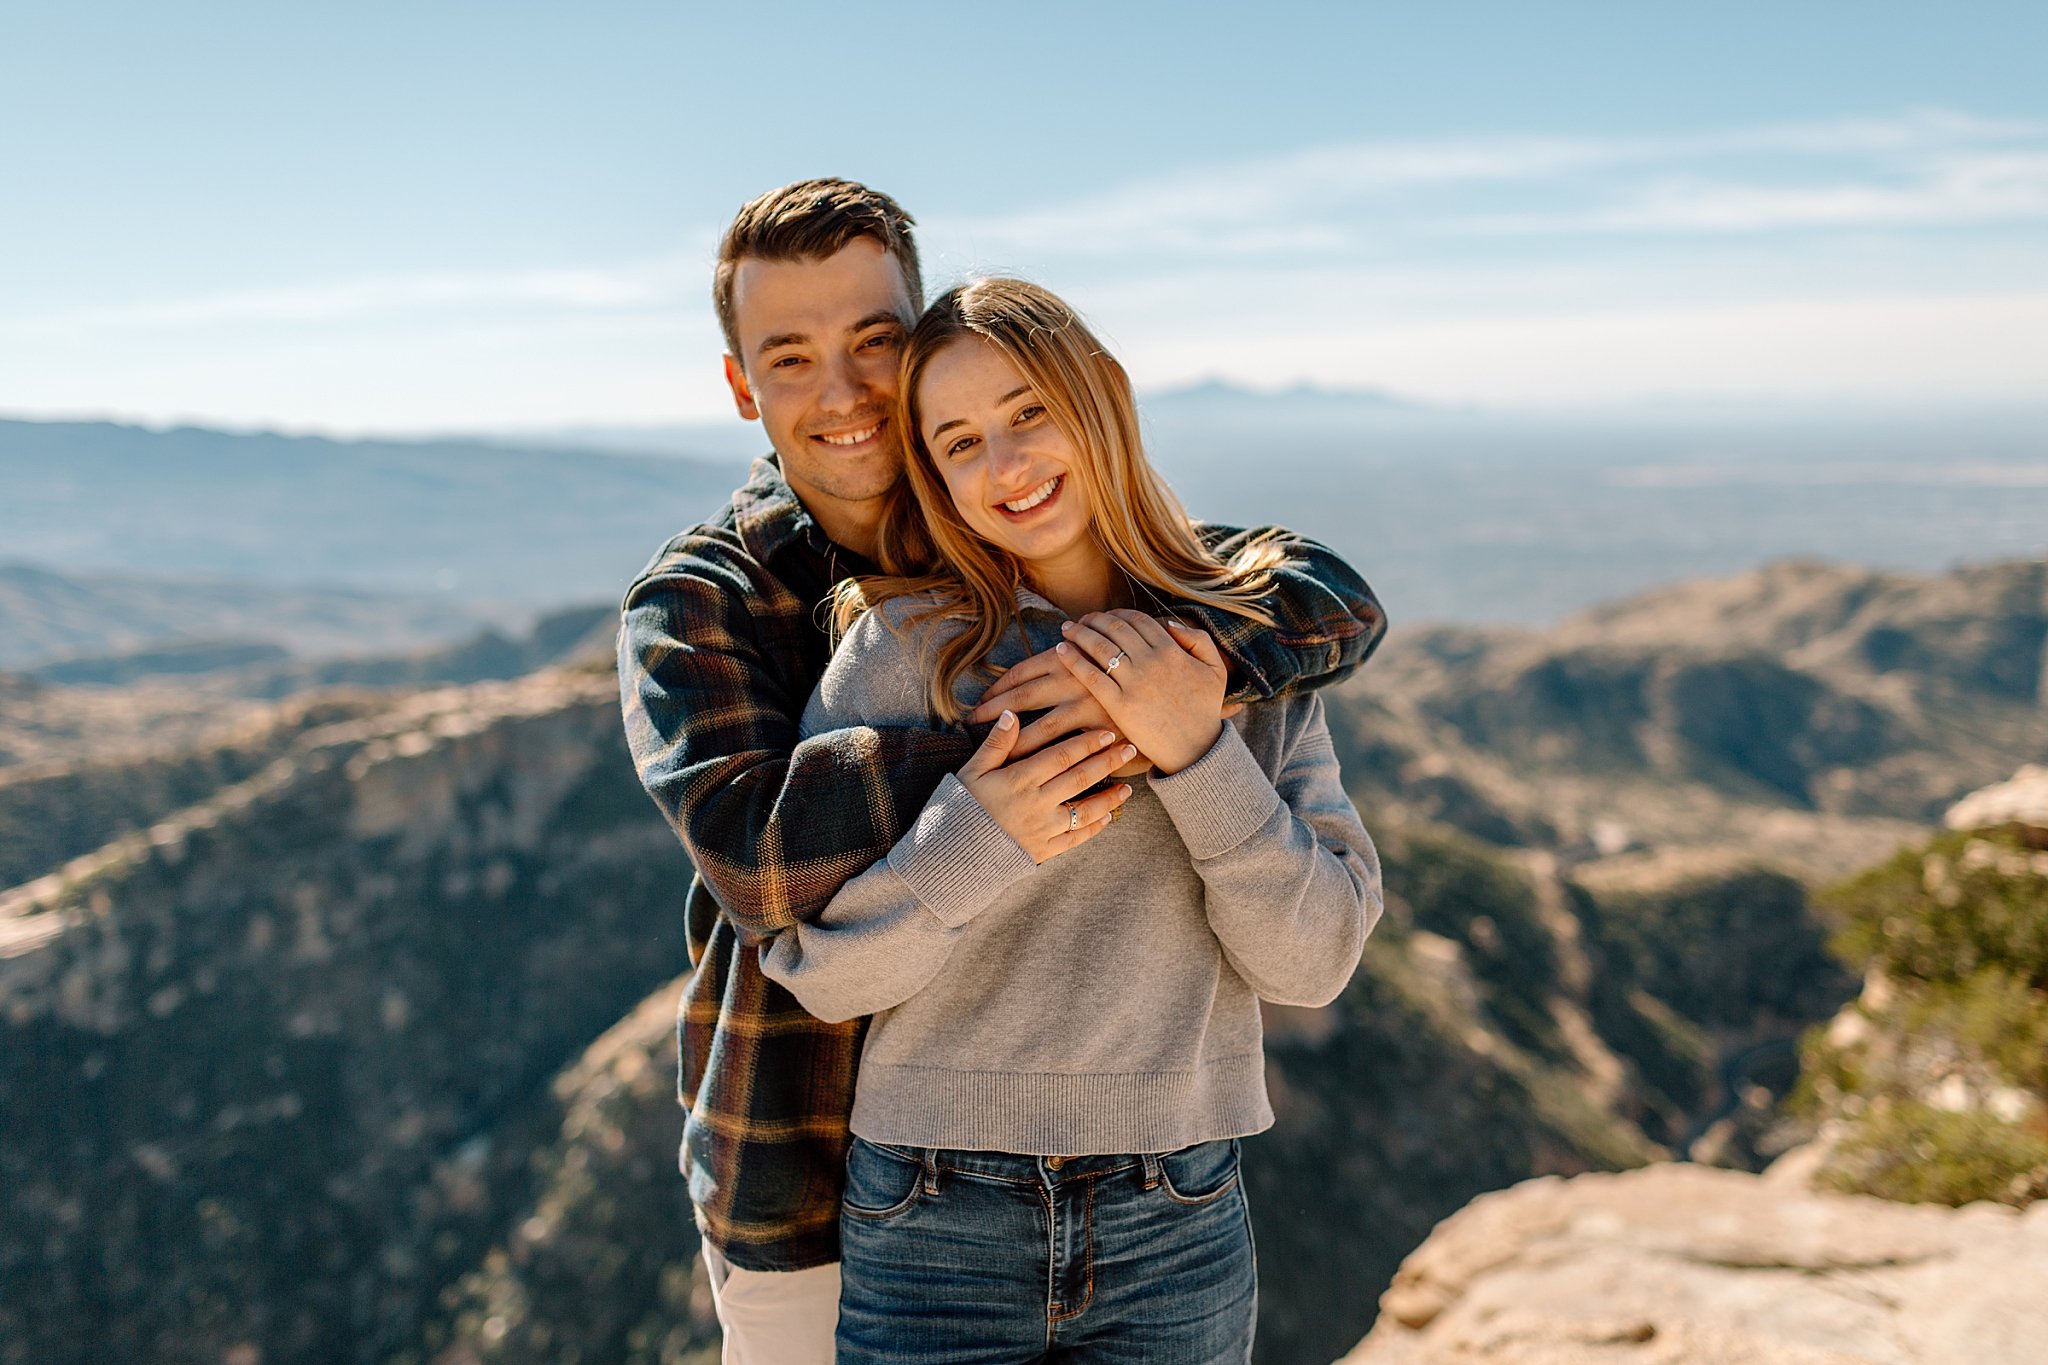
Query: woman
1065, 984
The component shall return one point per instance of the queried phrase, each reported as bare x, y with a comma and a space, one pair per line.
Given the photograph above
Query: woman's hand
1162, 684
1033, 799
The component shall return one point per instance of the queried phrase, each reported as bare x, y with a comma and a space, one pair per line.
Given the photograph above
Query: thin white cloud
658, 283
1983, 188
1923, 166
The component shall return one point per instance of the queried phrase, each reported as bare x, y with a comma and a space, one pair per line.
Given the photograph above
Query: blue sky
465, 216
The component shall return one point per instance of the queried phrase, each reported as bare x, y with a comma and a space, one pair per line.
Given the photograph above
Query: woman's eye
959, 447
1030, 412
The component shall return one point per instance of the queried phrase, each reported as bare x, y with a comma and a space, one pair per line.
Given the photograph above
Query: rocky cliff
1681, 1265
337, 1028
276, 1066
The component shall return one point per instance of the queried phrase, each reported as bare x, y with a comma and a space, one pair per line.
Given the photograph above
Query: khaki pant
774, 1317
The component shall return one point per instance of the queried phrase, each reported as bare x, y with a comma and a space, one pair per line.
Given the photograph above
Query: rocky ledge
1685, 1265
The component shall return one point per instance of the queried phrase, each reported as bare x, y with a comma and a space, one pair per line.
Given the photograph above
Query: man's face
819, 341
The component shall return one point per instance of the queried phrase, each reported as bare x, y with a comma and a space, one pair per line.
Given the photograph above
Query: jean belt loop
1151, 1164
931, 1170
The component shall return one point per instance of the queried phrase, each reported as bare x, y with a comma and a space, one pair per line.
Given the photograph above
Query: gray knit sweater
1105, 1001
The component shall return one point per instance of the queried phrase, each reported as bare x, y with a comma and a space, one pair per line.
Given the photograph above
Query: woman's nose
1006, 457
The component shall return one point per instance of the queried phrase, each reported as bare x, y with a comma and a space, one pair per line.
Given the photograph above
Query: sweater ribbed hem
1220, 799
1060, 1114
956, 858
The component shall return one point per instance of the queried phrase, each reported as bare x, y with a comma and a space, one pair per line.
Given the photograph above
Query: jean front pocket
1200, 1174
881, 1181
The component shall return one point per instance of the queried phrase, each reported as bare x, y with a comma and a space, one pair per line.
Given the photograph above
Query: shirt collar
767, 514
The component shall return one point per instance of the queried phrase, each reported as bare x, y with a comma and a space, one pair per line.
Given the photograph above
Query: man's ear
742, 395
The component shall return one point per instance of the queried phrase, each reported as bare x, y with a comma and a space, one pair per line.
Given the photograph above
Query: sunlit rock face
276, 1066
2022, 800
1680, 1265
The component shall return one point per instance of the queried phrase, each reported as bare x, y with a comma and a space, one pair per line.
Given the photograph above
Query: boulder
1686, 1265
2023, 800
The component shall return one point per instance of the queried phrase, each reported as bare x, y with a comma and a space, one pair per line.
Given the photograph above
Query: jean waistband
1021, 1167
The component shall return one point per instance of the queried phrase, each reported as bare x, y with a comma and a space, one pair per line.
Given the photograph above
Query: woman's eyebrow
943, 427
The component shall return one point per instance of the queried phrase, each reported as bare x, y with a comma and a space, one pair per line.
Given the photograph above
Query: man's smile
860, 436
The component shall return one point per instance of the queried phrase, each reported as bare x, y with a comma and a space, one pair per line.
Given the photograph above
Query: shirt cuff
1217, 801
955, 857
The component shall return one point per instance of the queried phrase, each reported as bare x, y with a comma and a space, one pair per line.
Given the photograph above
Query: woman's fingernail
1063, 648
1123, 793
1105, 738
1130, 752
1066, 626
1006, 720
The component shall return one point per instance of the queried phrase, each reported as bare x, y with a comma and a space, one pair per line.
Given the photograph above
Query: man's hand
1043, 683
1162, 685
1034, 799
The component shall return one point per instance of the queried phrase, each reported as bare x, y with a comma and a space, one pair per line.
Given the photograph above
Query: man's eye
785, 362
881, 340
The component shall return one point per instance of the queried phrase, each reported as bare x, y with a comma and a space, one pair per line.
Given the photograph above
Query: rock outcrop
276, 1067
2023, 800
1682, 1265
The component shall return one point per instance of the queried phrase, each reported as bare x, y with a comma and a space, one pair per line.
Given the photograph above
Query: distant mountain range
46, 616
469, 523
1453, 516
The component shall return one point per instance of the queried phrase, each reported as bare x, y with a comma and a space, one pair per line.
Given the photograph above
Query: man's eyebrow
944, 427
780, 339
876, 318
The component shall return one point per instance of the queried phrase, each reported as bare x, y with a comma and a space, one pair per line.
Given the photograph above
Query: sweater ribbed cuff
1217, 801
956, 858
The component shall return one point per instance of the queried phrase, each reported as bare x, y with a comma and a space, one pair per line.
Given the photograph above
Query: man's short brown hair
810, 220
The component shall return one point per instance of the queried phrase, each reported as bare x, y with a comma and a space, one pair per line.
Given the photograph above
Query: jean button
1053, 1163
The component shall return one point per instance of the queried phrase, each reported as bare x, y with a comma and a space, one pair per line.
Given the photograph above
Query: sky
467, 216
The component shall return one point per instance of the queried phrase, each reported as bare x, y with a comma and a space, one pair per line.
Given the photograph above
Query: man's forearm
776, 835
1327, 621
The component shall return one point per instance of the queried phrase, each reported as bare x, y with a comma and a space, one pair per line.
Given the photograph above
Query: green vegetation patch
1917, 1154
1939, 1072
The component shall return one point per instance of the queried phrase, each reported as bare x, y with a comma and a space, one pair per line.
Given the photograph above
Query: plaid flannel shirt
722, 641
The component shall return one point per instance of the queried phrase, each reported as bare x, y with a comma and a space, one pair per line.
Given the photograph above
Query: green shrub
1917, 1154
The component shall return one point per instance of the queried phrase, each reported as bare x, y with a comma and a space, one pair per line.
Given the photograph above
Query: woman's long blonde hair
925, 546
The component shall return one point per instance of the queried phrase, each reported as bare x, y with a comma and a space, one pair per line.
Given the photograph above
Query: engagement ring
1117, 660
1073, 818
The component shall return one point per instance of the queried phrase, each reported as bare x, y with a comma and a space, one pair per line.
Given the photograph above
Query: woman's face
1014, 478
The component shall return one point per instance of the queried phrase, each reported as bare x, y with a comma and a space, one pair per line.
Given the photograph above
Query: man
723, 640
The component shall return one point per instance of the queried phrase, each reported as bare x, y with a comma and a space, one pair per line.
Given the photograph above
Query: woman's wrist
1178, 756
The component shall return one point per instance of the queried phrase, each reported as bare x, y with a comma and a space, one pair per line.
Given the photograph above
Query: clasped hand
1164, 696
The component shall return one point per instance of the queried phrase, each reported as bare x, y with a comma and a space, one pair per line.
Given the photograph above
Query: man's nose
845, 387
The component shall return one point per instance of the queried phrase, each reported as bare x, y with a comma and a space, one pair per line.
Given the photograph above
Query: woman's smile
1042, 496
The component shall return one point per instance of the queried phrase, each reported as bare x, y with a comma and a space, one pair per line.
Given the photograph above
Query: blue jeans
984, 1258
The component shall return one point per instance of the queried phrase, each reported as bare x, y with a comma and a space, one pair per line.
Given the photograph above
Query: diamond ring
1111, 665
1073, 818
